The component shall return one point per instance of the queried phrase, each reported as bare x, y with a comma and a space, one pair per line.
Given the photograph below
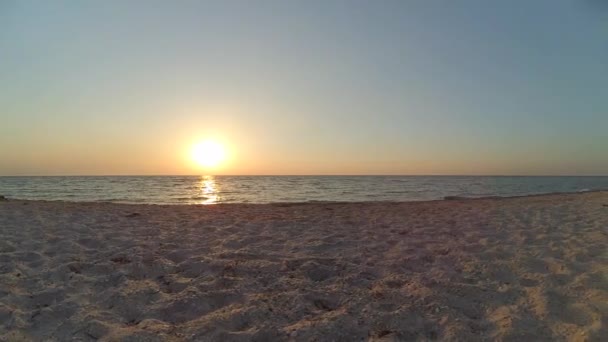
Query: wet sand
519, 269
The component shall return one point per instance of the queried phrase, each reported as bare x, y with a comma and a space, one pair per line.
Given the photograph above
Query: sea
272, 189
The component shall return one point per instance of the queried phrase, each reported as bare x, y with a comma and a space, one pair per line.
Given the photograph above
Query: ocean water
267, 189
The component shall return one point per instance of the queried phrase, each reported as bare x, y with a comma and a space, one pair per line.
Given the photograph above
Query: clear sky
304, 87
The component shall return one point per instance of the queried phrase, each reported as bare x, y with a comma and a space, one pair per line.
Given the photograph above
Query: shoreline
514, 268
445, 198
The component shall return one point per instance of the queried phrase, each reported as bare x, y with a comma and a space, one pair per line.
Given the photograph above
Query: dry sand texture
519, 269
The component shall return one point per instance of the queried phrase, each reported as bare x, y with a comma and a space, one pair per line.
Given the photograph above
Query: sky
304, 87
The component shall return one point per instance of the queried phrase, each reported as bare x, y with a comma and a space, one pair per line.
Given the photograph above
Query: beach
511, 269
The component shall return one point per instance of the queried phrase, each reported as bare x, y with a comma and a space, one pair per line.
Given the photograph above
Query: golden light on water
208, 153
209, 190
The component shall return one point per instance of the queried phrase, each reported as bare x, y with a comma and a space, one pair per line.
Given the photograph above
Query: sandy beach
514, 269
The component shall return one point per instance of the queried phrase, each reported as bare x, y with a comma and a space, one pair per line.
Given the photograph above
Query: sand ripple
532, 268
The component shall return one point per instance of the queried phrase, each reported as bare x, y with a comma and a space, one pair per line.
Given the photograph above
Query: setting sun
208, 153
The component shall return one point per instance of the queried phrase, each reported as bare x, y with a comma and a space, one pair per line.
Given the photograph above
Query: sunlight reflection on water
209, 191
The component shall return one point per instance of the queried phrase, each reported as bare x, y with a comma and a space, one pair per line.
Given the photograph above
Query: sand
515, 269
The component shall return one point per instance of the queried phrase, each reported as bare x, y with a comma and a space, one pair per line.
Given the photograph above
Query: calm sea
265, 189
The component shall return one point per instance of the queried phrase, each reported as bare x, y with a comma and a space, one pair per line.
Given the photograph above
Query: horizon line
309, 175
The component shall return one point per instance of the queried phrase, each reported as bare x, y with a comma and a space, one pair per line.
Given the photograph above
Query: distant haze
304, 87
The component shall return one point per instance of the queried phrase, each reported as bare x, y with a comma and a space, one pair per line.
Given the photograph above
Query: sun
208, 153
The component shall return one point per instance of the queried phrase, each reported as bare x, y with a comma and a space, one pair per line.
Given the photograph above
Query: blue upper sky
305, 87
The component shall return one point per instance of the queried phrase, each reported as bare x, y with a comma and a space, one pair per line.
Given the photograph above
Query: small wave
195, 198
454, 198
111, 200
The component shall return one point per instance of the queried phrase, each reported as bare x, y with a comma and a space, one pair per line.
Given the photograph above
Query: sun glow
208, 153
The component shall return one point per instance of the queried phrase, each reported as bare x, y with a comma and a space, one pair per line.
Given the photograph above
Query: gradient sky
304, 87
